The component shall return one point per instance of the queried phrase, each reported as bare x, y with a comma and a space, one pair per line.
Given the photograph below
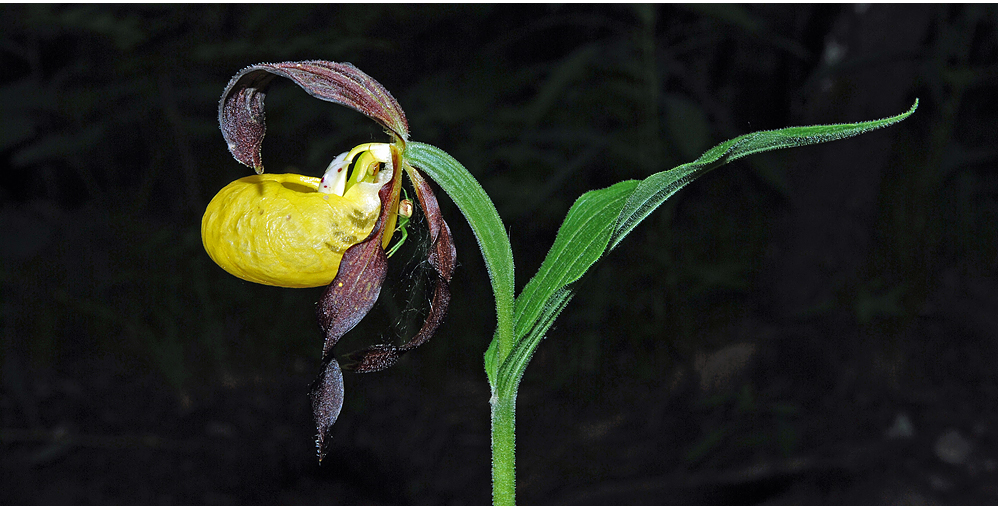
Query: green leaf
581, 240
599, 220
489, 230
654, 190
512, 369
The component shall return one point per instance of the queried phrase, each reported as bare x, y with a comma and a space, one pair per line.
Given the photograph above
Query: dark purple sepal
240, 110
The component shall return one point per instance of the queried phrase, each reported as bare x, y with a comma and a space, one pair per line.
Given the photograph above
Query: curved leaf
580, 242
599, 220
654, 190
488, 228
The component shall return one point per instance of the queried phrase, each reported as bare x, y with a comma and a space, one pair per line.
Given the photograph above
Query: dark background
814, 325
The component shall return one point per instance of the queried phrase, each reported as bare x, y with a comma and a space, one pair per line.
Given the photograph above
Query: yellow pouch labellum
277, 229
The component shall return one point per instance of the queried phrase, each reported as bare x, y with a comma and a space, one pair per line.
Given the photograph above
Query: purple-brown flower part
327, 401
348, 299
363, 267
442, 258
352, 294
240, 110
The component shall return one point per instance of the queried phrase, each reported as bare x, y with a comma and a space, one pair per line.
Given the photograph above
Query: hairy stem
503, 448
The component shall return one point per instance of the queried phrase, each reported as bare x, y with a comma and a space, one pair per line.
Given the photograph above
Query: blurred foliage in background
110, 149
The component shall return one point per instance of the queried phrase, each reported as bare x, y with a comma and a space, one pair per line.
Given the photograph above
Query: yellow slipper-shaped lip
277, 229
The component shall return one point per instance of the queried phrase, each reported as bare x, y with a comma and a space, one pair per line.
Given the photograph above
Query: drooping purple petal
348, 299
240, 110
442, 258
327, 401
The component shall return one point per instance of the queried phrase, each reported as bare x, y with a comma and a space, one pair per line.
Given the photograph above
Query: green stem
503, 403
503, 448
488, 228
505, 305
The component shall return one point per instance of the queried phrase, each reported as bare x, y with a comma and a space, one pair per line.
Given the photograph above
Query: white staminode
334, 181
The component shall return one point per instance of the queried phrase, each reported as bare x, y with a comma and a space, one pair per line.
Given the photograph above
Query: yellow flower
298, 231
292, 230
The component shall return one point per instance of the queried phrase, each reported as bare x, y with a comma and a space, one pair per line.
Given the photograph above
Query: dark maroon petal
240, 116
327, 401
371, 359
240, 111
442, 258
347, 299
352, 294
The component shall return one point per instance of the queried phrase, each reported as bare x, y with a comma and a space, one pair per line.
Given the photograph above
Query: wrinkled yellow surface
277, 229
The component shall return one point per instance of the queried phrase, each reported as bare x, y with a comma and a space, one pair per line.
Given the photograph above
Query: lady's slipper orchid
298, 231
